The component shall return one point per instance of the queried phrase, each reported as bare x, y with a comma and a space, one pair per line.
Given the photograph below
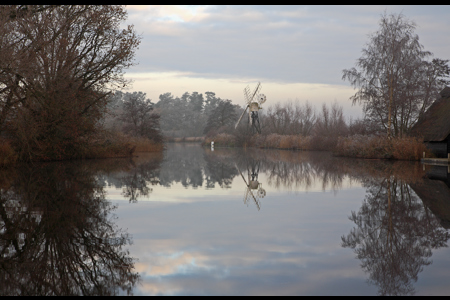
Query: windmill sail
258, 87
243, 113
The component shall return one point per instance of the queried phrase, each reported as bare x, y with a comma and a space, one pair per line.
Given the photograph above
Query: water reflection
254, 190
404, 215
137, 178
57, 232
58, 235
395, 229
194, 167
434, 190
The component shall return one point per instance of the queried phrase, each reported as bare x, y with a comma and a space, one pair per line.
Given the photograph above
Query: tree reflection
219, 169
192, 167
136, 182
136, 176
291, 169
184, 164
394, 234
58, 236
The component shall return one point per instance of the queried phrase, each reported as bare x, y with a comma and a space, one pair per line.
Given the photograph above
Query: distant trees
58, 65
290, 118
330, 121
188, 115
397, 82
135, 111
223, 115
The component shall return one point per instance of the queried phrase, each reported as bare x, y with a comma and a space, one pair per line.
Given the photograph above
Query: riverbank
357, 146
108, 146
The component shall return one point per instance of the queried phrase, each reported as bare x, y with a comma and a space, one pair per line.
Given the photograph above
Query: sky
296, 52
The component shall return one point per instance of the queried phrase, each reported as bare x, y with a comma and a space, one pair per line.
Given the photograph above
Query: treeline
304, 127
292, 125
194, 115
191, 115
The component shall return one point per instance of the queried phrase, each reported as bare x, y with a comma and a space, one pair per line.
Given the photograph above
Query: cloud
273, 44
292, 44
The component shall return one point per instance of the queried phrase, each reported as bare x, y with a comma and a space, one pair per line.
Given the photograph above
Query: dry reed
407, 148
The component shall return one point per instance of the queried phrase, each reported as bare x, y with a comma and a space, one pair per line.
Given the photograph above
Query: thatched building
434, 125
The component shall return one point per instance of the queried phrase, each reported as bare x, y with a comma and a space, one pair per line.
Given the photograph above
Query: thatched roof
434, 126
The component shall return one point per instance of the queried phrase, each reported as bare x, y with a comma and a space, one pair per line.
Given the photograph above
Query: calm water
226, 222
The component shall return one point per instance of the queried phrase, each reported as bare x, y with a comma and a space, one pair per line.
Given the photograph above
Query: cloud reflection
292, 244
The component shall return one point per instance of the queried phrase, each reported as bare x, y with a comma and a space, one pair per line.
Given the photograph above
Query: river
225, 221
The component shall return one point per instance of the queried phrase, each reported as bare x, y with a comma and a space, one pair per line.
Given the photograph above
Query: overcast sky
296, 52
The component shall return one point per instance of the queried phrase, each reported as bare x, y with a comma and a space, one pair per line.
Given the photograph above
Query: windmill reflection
254, 189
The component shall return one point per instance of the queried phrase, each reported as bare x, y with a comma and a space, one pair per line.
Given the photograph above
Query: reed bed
407, 148
359, 146
278, 141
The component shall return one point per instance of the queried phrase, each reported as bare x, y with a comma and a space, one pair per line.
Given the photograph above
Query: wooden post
448, 148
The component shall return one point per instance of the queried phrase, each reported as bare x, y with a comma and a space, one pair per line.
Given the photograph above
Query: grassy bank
359, 146
108, 145
273, 141
198, 139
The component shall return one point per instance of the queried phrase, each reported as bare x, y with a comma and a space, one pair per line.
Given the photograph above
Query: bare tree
290, 118
330, 121
58, 66
396, 83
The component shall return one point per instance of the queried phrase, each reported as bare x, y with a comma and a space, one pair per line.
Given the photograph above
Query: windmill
254, 101
253, 186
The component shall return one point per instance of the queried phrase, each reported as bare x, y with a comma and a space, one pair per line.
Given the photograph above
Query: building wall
438, 148
448, 145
